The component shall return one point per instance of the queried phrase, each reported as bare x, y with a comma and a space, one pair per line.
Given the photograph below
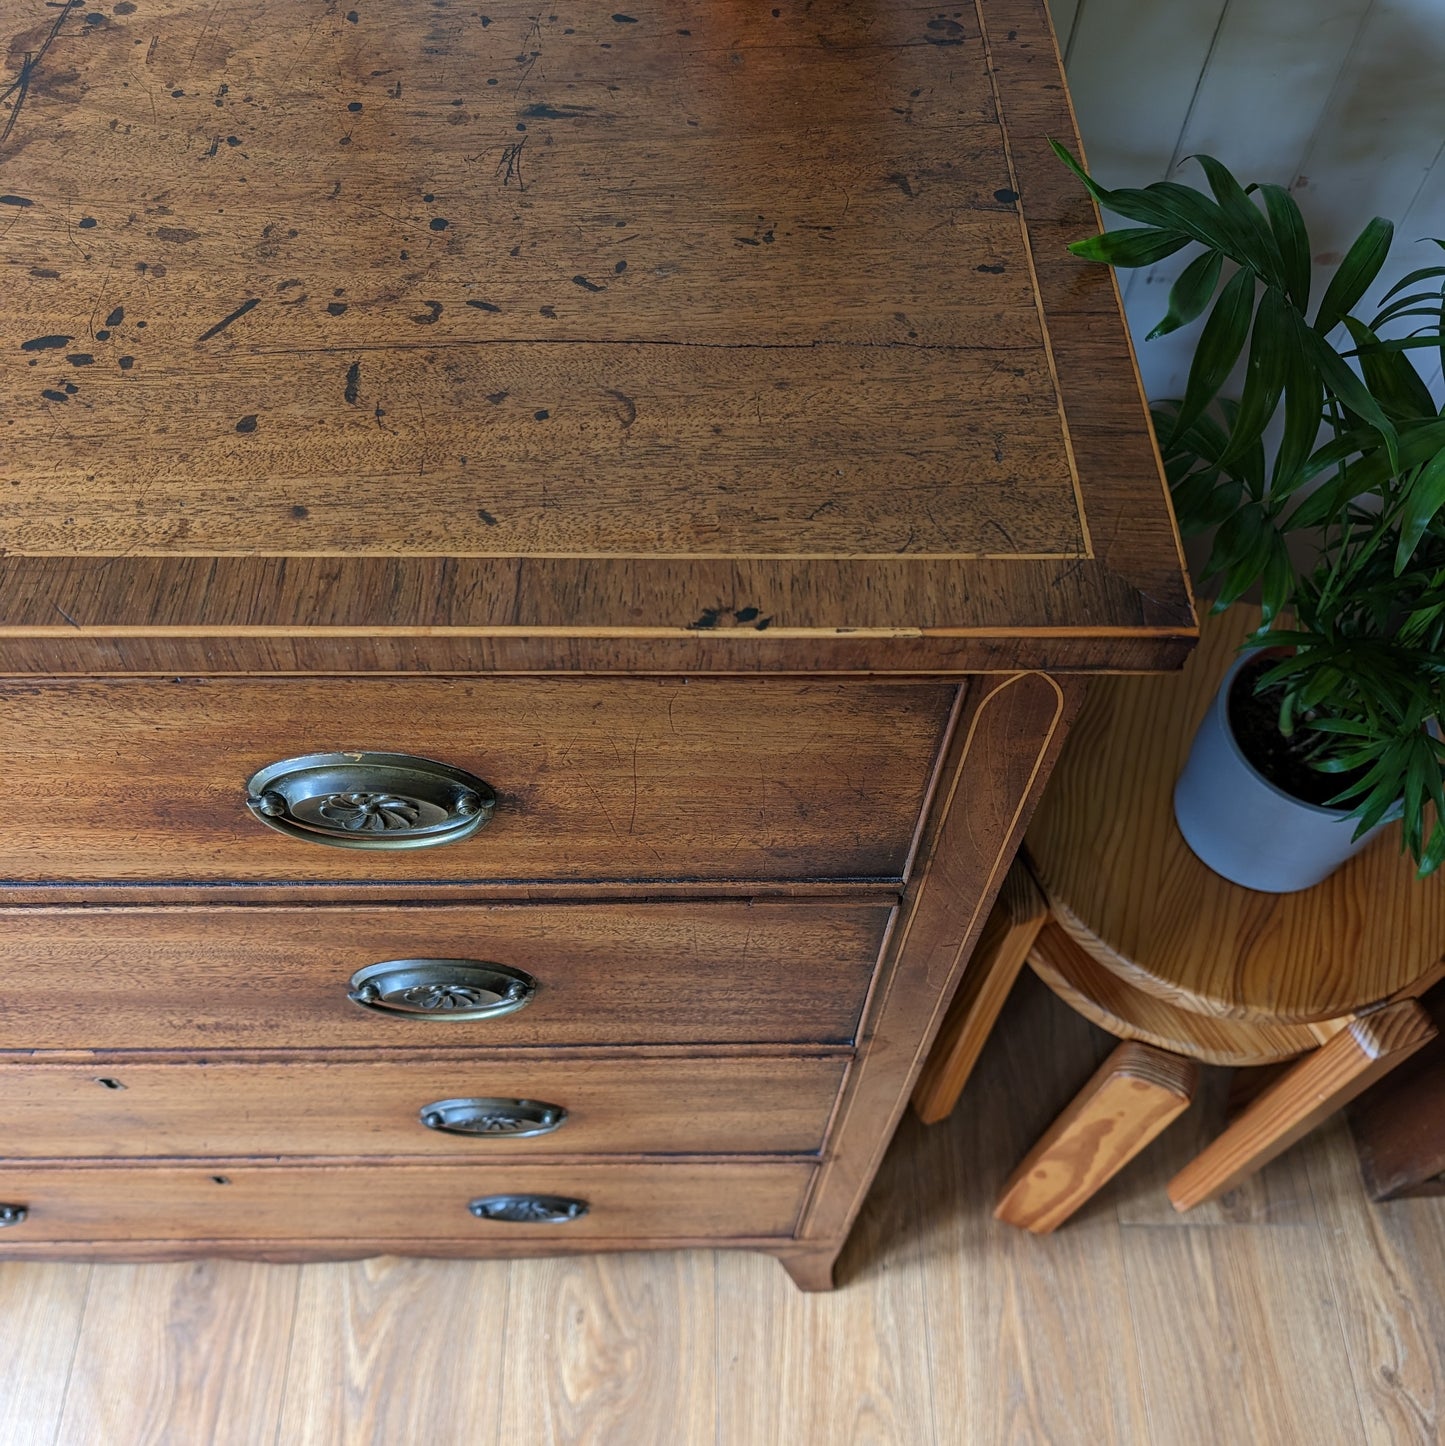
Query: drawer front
609, 781
279, 978
411, 1205
429, 1107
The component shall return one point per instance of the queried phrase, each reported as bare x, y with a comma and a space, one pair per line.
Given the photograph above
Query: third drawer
378, 1107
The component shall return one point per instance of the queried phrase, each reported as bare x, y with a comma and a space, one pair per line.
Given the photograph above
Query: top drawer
610, 781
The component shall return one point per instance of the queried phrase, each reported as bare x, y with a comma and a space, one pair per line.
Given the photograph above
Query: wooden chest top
691, 336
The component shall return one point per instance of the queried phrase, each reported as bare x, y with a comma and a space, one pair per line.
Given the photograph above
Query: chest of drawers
655, 481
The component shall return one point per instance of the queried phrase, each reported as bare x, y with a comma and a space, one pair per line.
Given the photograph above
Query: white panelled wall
1342, 101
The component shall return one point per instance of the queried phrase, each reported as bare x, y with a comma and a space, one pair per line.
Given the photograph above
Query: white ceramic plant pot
1246, 829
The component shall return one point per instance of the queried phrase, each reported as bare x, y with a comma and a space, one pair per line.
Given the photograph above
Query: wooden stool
1113, 911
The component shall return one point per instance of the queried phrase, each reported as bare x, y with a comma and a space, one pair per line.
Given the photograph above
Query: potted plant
1326, 728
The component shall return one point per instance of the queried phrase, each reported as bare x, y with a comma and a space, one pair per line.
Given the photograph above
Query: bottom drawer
406, 1204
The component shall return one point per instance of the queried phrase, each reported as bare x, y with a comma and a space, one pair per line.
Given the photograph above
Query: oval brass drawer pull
515, 1119
528, 1209
369, 800
13, 1215
442, 988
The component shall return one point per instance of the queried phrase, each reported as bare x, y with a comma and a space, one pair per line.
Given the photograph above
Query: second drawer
752, 1105
784, 972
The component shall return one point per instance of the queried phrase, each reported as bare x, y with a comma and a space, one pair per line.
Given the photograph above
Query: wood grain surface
1122, 881
1398, 1125
235, 1106
1112, 1003
267, 978
1007, 739
633, 328
597, 781
1321, 1322
1303, 1097
411, 1206
1018, 914
1133, 1096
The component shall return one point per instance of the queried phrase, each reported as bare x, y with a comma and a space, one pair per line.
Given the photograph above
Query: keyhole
110, 1084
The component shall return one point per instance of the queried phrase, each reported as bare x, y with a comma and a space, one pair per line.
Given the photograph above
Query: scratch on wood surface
19, 88
225, 321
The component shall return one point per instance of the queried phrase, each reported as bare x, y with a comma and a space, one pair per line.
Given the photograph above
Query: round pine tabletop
1123, 883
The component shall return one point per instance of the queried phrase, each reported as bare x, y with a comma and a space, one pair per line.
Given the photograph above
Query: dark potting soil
1254, 721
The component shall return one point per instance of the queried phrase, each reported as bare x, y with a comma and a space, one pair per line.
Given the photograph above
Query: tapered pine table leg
1135, 1094
1307, 1093
1007, 937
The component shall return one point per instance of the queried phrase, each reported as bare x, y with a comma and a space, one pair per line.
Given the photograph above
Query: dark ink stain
509, 168
353, 383
497, 398
625, 19
86, 222
586, 285
16, 201
336, 308
486, 517
684, 32
300, 513
902, 182
1005, 195
620, 267
352, 17
215, 145
485, 19
51, 395
992, 270
428, 198
95, 18
708, 619
747, 240
746, 615
247, 423
353, 106
946, 32
542, 111
433, 310
439, 223
288, 283
233, 140
484, 306
125, 7
45, 273
103, 334
764, 623
627, 408
70, 388
126, 363
80, 359
225, 321
542, 415
550, 312
44, 343
116, 317
177, 235
177, 94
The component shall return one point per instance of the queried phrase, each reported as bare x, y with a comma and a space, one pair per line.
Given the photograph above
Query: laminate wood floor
1291, 1312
